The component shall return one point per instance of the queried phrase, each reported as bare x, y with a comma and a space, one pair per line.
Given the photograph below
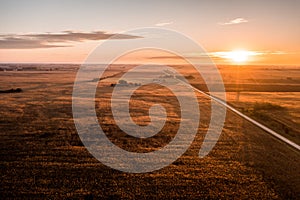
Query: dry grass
43, 157
260, 86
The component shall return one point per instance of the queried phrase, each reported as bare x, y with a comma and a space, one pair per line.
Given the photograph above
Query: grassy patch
269, 115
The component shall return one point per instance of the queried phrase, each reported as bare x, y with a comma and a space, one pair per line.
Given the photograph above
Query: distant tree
122, 82
12, 90
18, 90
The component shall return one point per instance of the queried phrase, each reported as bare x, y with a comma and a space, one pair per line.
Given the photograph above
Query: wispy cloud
51, 40
163, 23
227, 54
220, 55
234, 21
179, 57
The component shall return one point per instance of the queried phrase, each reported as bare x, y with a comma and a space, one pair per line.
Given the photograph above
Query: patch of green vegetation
190, 77
266, 106
264, 112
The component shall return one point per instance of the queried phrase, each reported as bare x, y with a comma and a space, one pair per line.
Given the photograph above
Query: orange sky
79, 53
68, 31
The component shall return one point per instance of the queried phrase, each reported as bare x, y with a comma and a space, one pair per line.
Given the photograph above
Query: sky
68, 30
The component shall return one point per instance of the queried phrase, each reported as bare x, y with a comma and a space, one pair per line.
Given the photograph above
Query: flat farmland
42, 155
269, 94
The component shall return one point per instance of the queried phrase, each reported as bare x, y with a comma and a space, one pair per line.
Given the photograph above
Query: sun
238, 56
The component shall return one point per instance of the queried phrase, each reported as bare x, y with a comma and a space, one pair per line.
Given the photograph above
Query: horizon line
79, 63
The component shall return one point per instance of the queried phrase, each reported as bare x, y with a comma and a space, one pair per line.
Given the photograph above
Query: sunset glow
145, 99
239, 56
229, 35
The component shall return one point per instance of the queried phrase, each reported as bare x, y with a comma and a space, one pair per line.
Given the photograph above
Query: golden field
42, 155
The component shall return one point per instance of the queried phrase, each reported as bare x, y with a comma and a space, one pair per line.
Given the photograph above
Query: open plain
42, 156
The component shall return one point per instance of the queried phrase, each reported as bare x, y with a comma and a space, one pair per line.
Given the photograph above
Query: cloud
163, 23
219, 55
227, 54
234, 21
191, 56
178, 57
51, 40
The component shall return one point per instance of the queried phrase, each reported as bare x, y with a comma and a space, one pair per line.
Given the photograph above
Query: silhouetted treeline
12, 90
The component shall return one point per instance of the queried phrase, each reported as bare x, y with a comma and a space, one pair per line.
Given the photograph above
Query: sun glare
238, 56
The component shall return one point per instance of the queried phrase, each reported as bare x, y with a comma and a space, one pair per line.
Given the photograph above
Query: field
269, 94
42, 155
